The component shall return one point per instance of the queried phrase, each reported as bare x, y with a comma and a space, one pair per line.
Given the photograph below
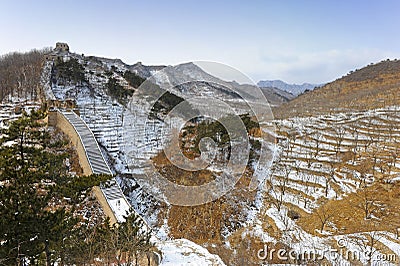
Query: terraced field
334, 155
335, 179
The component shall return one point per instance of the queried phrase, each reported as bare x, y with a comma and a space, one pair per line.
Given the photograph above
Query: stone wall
104, 205
56, 119
62, 46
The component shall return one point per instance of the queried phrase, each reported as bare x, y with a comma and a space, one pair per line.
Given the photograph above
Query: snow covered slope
319, 159
182, 252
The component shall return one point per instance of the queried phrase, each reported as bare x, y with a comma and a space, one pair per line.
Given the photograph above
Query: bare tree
324, 215
305, 178
363, 168
368, 242
367, 202
374, 156
20, 74
296, 165
339, 137
292, 137
356, 136
330, 177
277, 185
275, 195
317, 137
371, 130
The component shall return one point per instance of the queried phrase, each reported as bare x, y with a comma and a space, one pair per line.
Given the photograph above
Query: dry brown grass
180, 176
369, 88
203, 224
349, 218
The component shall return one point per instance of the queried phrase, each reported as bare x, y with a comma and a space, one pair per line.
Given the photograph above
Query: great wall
109, 195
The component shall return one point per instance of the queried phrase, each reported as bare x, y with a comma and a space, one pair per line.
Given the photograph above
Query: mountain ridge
295, 89
373, 86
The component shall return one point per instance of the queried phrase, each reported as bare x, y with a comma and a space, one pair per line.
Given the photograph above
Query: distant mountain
294, 89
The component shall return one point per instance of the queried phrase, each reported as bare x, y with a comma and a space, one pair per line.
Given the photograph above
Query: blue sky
296, 41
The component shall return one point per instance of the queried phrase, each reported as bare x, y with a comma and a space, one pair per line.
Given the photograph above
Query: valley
319, 172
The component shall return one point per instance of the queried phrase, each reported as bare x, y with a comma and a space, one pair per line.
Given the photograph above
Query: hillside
332, 181
374, 86
131, 136
326, 168
276, 97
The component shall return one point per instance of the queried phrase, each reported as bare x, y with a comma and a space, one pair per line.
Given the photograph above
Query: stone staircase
93, 153
111, 190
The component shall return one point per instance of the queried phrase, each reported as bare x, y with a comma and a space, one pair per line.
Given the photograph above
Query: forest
20, 75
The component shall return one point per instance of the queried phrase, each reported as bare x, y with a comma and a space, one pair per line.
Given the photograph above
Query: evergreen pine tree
33, 176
